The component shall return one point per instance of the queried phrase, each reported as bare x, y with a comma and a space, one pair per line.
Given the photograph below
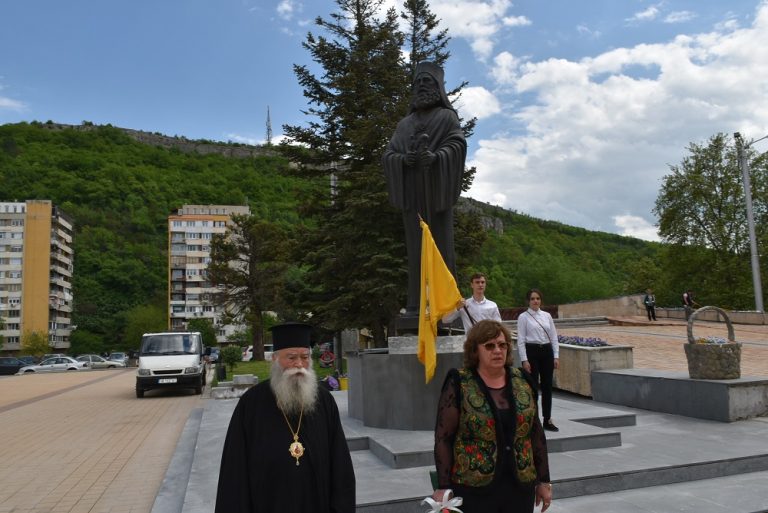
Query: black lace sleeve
540, 457
445, 428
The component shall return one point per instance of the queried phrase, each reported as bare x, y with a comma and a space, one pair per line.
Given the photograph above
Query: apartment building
35, 273
190, 293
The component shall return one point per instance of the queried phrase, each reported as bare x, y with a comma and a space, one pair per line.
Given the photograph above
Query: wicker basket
713, 361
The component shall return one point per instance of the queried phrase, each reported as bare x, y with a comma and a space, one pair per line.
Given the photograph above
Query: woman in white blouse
539, 353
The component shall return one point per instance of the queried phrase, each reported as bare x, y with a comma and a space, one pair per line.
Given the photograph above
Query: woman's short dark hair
533, 291
482, 332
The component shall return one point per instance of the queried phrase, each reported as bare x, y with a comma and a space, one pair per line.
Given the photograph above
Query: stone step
592, 430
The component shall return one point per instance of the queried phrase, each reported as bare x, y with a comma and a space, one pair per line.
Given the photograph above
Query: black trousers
507, 496
542, 360
651, 312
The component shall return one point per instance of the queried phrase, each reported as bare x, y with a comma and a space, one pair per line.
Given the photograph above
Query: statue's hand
426, 159
410, 158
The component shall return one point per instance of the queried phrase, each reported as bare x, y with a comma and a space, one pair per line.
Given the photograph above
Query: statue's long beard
295, 389
426, 99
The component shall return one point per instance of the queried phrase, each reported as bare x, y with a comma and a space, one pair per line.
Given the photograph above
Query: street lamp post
741, 148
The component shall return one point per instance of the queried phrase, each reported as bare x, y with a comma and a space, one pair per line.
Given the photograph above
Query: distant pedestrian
650, 304
688, 303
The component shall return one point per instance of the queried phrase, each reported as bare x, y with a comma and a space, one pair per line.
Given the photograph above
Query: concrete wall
737, 317
613, 307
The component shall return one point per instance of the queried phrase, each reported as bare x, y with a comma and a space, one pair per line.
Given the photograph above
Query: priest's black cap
291, 334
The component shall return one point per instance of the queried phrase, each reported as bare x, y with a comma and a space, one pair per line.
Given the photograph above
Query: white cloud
634, 226
477, 21
253, 140
586, 31
287, 8
11, 104
596, 135
679, 17
648, 14
477, 102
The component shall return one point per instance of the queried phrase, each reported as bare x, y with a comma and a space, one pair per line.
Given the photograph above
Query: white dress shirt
479, 310
536, 327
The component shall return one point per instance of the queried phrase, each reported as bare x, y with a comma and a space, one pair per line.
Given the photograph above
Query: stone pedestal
387, 388
577, 364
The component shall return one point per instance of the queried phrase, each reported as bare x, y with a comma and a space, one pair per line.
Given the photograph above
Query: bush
231, 356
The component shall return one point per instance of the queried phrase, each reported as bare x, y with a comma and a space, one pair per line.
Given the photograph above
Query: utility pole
269, 128
741, 148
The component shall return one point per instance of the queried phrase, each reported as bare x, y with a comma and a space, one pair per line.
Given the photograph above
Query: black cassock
258, 474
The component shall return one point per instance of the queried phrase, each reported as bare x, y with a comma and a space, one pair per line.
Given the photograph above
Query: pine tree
355, 255
355, 258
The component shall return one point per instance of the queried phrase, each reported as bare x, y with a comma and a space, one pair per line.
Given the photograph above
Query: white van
171, 360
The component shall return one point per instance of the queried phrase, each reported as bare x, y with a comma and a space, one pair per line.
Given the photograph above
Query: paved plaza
81, 442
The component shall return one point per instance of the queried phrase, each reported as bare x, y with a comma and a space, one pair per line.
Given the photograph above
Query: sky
582, 105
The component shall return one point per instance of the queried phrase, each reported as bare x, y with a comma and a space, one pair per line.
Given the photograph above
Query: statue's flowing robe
430, 193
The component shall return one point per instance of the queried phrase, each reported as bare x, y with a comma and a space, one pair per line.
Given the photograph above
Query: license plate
166, 380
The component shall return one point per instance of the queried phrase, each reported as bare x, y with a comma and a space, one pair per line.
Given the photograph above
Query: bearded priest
285, 448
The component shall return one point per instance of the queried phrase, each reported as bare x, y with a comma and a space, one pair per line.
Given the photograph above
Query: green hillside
568, 264
120, 192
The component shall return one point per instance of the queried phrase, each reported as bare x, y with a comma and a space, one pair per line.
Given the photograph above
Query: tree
249, 263
139, 320
701, 211
35, 343
84, 342
206, 329
354, 254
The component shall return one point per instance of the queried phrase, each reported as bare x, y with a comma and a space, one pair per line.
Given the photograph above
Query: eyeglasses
490, 346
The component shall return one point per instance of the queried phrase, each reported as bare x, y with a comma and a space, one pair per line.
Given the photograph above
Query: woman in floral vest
490, 447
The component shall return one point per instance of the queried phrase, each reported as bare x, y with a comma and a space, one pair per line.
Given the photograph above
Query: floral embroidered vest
475, 450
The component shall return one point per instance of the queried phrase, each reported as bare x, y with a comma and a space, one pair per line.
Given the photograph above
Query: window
177, 224
190, 223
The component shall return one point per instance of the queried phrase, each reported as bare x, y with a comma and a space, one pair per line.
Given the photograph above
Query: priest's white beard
295, 389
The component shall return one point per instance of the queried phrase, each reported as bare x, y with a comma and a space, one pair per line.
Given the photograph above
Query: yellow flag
439, 296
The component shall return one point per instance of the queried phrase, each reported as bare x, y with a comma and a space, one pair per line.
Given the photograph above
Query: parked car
95, 361
10, 365
118, 357
268, 350
214, 356
29, 359
60, 363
